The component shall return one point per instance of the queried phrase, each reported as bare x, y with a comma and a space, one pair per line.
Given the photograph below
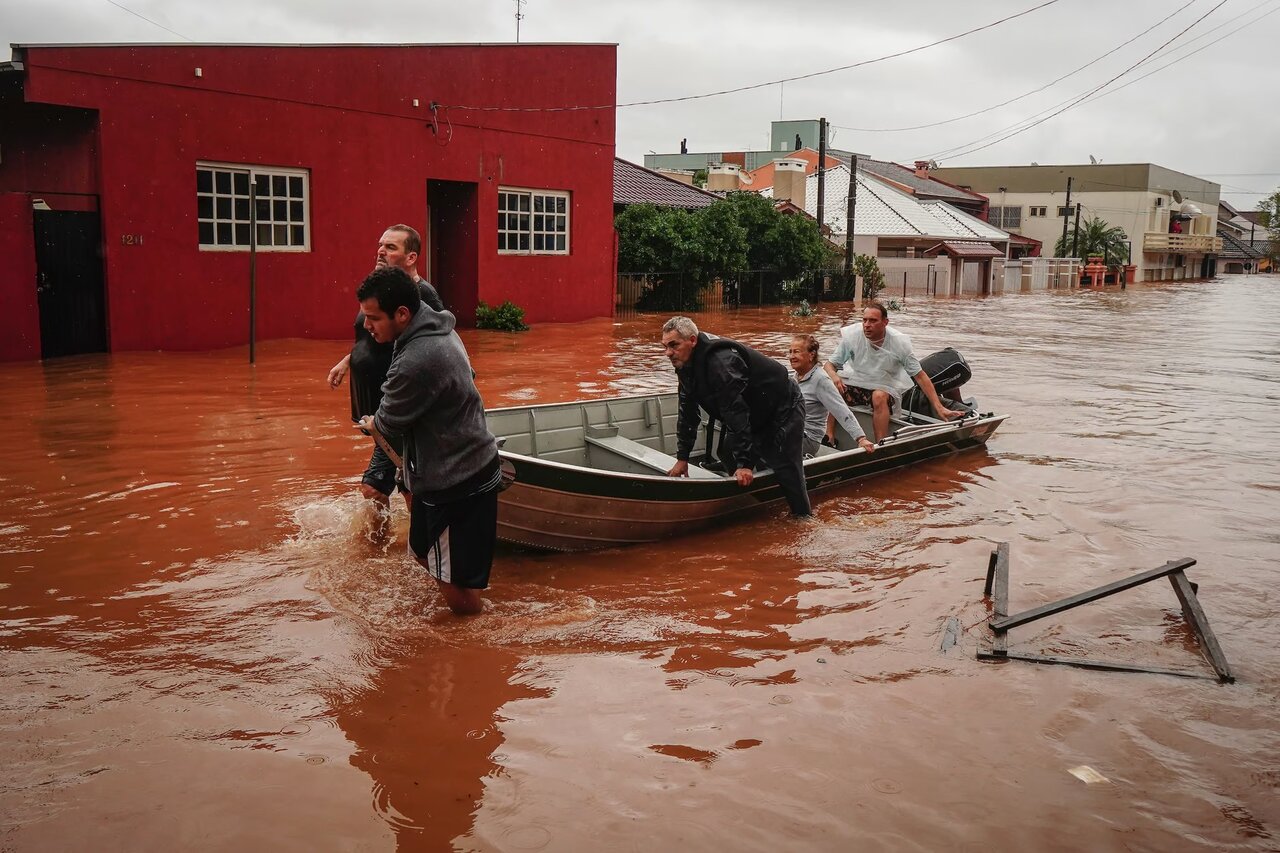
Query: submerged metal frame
997, 588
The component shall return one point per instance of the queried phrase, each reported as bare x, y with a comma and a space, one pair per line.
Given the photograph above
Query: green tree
868, 269
1097, 237
1269, 207
794, 245
650, 238
718, 243
740, 232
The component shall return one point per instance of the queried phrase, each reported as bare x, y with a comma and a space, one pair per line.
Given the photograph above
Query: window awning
964, 249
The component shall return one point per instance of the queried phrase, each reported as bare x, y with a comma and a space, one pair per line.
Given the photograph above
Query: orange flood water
202, 649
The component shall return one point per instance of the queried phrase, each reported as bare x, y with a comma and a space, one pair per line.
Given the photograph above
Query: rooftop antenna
519, 17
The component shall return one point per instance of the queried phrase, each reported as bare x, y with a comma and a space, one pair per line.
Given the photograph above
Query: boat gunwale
932, 431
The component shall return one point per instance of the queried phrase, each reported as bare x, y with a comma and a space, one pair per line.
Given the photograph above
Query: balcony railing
1181, 244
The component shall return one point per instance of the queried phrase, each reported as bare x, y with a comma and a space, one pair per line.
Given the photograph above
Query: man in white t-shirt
873, 365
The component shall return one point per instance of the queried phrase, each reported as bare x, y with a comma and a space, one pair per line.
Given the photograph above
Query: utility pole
253, 265
1075, 237
1066, 213
519, 18
822, 173
848, 218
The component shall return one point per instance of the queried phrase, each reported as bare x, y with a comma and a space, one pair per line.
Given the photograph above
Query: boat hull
561, 506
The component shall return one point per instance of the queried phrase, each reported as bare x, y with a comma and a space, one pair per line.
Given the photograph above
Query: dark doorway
69, 282
454, 245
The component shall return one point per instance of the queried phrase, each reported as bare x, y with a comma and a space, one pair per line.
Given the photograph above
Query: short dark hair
412, 239
392, 287
879, 306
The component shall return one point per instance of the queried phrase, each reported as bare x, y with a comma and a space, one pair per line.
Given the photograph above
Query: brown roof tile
633, 184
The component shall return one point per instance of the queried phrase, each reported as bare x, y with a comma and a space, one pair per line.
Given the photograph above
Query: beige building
1141, 198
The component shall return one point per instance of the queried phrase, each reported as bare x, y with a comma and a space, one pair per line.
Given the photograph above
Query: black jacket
750, 393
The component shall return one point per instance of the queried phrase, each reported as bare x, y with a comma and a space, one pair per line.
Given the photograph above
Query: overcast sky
1210, 113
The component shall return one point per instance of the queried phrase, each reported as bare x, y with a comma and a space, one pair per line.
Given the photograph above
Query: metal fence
675, 291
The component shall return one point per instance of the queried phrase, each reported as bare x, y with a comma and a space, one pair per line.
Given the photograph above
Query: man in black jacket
759, 406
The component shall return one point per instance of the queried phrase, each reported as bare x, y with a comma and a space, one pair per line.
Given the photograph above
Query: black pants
780, 446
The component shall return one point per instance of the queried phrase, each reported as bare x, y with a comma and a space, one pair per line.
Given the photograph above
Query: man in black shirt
759, 406
369, 360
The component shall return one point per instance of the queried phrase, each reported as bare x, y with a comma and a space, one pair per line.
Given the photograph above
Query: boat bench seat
641, 454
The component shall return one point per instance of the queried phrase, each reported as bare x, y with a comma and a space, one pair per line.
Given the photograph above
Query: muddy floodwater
202, 648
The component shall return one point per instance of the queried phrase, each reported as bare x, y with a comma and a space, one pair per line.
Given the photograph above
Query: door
454, 229
69, 282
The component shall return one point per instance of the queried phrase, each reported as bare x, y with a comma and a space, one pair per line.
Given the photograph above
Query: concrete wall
1125, 195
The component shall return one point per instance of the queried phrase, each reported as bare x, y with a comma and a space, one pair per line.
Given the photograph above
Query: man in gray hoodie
450, 458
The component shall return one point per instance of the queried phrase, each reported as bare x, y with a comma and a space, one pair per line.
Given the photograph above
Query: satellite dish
1177, 196
1093, 161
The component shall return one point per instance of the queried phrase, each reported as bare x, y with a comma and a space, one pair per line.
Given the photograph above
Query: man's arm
838, 359
830, 369
687, 421
339, 371
728, 373
839, 409
926, 385
404, 401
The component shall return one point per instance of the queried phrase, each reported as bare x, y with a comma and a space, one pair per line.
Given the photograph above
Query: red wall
20, 318
345, 114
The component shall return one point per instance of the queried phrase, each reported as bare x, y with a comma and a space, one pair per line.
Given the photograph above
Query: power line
754, 86
1095, 90
1025, 94
1144, 76
1197, 50
148, 20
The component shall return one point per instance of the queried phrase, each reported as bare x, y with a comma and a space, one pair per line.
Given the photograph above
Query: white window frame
1037, 211
527, 218
229, 207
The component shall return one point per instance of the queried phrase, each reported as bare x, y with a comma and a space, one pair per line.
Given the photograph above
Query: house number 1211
131, 239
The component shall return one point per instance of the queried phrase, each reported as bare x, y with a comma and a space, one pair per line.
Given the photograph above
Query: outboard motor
948, 370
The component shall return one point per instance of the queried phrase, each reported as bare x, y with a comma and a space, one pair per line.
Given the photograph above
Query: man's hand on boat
744, 476
948, 414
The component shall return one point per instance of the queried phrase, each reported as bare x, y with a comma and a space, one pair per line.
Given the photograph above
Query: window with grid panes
533, 221
1005, 217
280, 208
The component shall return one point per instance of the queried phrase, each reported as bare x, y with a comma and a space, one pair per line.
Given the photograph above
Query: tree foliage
867, 268
1097, 237
1269, 207
740, 232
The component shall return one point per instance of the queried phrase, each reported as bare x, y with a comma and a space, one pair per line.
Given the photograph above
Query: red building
134, 178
